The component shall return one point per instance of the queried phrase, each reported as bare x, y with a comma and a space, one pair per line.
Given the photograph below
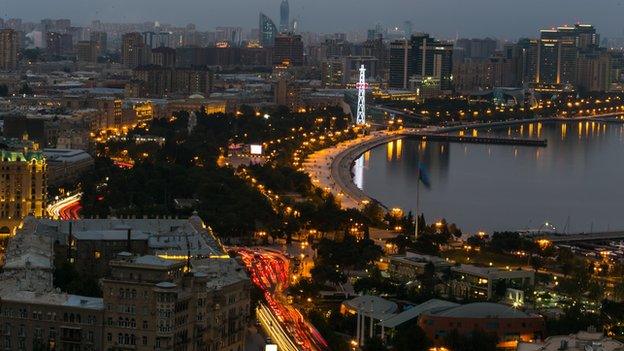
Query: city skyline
483, 18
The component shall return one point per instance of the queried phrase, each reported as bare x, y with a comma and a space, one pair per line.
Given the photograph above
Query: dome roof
197, 97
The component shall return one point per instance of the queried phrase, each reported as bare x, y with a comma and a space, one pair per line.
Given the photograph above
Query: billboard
255, 149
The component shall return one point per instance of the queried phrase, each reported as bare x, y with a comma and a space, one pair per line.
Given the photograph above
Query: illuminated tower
284, 16
361, 107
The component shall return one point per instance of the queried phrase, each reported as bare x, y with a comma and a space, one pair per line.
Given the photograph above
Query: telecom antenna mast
361, 107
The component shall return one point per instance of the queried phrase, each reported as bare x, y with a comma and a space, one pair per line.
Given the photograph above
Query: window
109, 337
144, 324
145, 340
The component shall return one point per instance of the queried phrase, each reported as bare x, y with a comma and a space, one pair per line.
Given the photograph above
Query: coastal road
286, 326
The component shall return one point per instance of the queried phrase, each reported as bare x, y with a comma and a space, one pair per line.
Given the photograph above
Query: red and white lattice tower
361, 107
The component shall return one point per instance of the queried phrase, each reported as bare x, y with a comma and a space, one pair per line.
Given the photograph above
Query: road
286, 326
66, 208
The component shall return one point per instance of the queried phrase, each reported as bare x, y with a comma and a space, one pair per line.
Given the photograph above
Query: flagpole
417, 199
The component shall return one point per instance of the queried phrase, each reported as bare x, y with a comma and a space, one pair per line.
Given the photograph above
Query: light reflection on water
575, 182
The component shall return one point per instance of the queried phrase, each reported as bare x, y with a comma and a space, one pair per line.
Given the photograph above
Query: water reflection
496, 187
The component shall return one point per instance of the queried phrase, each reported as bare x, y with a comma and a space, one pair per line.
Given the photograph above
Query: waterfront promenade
331, 168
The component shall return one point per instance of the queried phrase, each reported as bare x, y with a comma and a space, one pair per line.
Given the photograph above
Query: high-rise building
288, 50
284, 17
101, 42
53, 43
133, 50
559, 51
400, 65
268, 31
594, 71
432, 58
23, 187
9, 45
86, 51
476, 48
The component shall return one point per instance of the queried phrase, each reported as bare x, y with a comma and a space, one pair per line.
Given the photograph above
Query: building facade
9, 48
23, 186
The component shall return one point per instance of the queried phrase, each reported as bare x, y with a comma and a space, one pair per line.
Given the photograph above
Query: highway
66, 208
270, 271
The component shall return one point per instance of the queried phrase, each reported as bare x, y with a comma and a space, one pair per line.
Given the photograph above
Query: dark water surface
575, 183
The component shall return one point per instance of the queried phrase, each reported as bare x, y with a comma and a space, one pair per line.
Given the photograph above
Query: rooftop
221, 272
480, 310
414, 312
581, 341
379, 307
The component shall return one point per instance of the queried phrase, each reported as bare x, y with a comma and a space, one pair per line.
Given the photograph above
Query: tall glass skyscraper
268, 31
284, 16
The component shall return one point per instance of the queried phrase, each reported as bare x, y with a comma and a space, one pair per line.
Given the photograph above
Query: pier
481, 140
583, 237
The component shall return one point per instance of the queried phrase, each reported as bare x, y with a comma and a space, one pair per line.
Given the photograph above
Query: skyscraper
400, 64
433, 58
288, 49
559, 51
8, 49
133, 50
268, 31
284, 17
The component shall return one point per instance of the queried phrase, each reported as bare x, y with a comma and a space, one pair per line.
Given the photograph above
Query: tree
4, 90
26, 90
374, 344
409, 336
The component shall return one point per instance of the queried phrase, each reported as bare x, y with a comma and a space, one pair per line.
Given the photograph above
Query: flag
423, 175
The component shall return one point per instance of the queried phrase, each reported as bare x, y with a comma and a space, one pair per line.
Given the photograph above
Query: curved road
331, 168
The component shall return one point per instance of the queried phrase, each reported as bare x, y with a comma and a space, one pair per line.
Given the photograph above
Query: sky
504, 19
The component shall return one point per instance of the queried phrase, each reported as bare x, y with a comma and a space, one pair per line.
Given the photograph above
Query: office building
288, 50
432, 58
400, 65
284, 17
558, 54
9, 48
23, 187
268, 31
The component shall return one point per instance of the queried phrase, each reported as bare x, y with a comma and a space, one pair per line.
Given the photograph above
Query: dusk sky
505, 19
